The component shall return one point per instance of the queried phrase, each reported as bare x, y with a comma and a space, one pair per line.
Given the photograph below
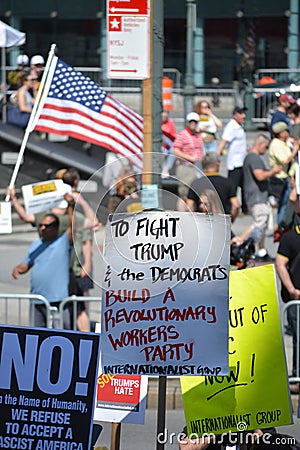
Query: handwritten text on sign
221, 404
166, 294
47, 382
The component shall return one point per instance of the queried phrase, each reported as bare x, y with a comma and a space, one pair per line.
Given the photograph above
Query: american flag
74, 105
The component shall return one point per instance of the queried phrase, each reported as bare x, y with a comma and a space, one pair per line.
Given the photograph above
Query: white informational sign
165, 299
150, 196
120, 398
128, 39
45, 195
5, 218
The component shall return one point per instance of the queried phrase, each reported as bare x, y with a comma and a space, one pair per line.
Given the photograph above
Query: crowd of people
24, 81
259, 179
60, 260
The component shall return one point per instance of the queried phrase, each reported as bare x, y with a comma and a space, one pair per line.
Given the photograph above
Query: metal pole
189, 86
293, 35
3, 78
152, 98
161, 411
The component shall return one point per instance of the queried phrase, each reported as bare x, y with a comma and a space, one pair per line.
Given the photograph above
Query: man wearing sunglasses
48, 260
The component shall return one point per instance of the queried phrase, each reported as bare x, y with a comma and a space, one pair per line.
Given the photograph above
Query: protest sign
47, 384
45, 195
5, 218
255, 393
165, 299
120, 398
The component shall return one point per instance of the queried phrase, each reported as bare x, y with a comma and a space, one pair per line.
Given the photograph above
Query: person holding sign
48, 260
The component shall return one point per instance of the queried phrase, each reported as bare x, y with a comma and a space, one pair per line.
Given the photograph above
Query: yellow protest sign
255, 392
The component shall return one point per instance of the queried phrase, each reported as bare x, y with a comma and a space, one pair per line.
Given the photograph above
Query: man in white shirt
234, 139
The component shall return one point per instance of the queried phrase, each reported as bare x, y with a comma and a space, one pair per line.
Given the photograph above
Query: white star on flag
74, 105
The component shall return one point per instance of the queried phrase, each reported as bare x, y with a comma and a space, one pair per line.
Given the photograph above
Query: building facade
231, 39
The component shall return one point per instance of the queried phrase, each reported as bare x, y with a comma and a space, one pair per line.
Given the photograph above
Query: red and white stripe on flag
74, 105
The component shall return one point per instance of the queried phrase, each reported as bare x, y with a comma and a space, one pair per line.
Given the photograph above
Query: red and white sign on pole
128, 39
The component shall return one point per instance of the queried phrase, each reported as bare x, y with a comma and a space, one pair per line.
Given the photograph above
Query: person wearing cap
234, 139
13, 76
280, 153
223, 187
37, 63
281, 113
189, 149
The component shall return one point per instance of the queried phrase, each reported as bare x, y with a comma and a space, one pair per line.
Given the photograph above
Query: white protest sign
45, 195
47, 384
120, 398
5, 218
165, 299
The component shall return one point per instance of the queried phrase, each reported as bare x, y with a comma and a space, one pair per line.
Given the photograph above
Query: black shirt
222, 185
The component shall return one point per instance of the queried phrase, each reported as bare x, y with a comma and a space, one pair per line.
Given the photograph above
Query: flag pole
31, 119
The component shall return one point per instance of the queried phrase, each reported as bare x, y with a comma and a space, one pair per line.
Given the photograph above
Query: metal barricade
12, 309
74, 300
284, 322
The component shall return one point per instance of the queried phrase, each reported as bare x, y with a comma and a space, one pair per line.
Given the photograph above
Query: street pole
189, 90
293, 35
152, 98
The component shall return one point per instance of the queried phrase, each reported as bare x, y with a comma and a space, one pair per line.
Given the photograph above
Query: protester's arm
294, 198
28, 218
87, 258
20, 270
180, 154
263, 175
235, 207
281, 263
191, 204
22, 101
217, 121
221, 146
91, 220
294, 151
70, 211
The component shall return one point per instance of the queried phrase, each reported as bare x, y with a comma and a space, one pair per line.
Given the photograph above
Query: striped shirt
190, 143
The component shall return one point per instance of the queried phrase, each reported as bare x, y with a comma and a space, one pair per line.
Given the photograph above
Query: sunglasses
46, 225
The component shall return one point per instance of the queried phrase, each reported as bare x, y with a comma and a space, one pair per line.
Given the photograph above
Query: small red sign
127, 8
114, 23
119, 389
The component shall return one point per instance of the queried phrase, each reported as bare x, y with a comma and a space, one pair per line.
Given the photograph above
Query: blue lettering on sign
40, 360
11, 355
65, 365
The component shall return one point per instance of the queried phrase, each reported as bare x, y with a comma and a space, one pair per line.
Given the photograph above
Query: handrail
31, 297
285, 307
74, 299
